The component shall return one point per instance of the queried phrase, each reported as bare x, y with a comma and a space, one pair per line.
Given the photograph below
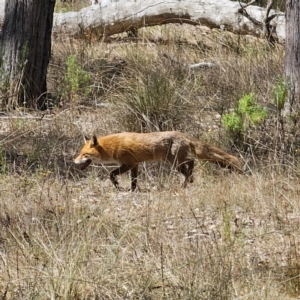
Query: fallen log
117, 16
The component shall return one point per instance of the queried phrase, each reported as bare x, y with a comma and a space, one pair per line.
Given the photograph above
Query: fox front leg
114, 180
122, 169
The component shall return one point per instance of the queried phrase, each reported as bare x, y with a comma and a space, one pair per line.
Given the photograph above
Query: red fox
128, 149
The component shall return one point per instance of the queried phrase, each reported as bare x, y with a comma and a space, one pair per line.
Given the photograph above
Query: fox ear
94, 141
86, 139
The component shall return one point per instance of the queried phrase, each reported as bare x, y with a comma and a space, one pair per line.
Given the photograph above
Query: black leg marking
134, 175
113, 179
122, 169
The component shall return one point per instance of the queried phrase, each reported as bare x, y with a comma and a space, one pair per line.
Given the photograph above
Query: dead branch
267, 30
190, 66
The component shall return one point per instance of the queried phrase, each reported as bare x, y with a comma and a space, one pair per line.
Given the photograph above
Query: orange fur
128, 149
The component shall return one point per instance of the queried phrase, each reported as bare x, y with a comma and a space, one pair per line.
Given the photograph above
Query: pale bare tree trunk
25, 52
116, 16
292, 56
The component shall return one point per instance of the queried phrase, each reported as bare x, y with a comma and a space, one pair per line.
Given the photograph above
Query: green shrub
153, 102
280, 93
248, 113
247, 104
76, 81
251, 111
258, 116
233, 122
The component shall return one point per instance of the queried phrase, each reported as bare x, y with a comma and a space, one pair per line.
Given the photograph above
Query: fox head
88, 154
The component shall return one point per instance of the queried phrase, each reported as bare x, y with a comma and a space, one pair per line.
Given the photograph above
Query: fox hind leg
134, 175
180, 159
186, 168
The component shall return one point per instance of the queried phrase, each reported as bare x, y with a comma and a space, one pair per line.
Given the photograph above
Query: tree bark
26, 49
292, 56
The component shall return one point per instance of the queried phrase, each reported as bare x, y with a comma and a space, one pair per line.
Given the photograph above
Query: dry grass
66, 234
223, 238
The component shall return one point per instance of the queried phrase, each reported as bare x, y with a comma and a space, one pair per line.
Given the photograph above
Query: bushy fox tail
210, 153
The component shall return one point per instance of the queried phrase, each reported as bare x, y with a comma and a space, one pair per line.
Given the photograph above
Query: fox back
132, 148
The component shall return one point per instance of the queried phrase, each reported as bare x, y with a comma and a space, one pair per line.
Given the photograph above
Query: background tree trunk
292, 56
26, 49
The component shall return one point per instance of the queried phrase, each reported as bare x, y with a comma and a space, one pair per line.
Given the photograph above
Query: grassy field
67, 234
